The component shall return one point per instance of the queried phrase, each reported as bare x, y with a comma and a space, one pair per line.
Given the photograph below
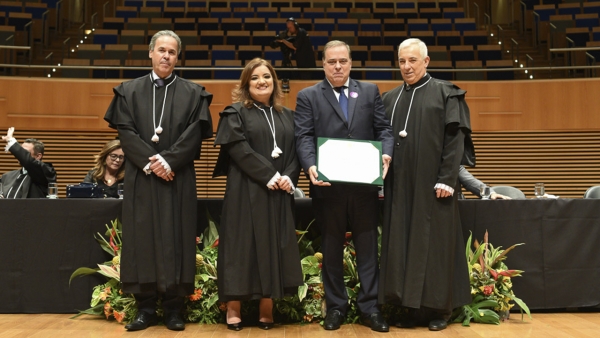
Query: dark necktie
343, 100
159, 82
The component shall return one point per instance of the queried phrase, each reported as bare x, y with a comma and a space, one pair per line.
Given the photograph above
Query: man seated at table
472, 184
32, 180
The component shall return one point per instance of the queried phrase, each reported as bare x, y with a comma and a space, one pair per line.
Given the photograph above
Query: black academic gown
423, 262
159, 217
258, 252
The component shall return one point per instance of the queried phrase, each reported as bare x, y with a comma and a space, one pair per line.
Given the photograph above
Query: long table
43, 241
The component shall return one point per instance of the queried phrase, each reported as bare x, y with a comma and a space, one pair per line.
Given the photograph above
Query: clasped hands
282, 183
314, 176
159, 170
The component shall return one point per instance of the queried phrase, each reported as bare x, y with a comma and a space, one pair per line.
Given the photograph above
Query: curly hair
241, 93
100, 161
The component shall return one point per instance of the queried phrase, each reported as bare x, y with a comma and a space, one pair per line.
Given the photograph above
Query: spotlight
59, 64
516, 61
491, 34
49, 75
499, 42
521, 65
54, 70
80, 41
531, 76
526, 71
76, 46
72, 50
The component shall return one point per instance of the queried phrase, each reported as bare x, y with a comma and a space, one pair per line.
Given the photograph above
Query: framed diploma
349, 161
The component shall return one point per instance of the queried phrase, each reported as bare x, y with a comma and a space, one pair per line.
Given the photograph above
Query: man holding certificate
342, 108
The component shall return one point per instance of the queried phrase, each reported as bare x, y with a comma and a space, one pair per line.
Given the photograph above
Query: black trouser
356, 212
170, 303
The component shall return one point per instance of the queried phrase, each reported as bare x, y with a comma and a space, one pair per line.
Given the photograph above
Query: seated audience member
108, 170
32, 180
472, 184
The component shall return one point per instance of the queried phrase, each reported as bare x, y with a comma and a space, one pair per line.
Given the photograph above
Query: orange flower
197, 240
119, 316
108, 310
196, 296
223, 306
215, 244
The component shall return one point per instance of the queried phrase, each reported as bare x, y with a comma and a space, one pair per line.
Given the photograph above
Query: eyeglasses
342, 62
114, 157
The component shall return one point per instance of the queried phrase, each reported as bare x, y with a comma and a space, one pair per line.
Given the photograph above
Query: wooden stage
570, 324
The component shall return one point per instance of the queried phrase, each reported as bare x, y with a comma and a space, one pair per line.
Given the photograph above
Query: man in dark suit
339, 107
32, 180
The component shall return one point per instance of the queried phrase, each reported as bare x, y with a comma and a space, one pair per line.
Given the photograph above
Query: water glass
1, 193
52, 191
540, 191
485, 191
120, 187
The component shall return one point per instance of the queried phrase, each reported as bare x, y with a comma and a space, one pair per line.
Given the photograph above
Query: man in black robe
161, 120
32, 180
423, 265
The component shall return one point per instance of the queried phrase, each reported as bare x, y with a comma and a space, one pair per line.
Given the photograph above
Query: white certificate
349, 161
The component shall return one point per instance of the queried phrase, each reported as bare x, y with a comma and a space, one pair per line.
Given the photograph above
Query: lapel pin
353, 95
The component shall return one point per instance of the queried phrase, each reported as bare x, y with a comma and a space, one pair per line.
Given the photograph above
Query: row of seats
276, 25
387, 54
35, 9
300, 4
15, 19
545, 11
580, 36
318, 38
436, 69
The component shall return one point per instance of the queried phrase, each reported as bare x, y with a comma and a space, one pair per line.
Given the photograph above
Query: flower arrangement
491, 285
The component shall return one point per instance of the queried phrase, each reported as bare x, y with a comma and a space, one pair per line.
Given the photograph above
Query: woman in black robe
258, 254
108, 169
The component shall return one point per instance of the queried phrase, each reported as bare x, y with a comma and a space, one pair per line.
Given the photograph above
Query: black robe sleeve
453, 146
292, 170
89, 178
119, 116
41, 173
235, 147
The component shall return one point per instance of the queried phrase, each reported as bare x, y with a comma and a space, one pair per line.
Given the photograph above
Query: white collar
347, 84
154, 76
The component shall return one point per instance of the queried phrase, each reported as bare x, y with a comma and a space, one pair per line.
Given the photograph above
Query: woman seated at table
258, 254
108, 170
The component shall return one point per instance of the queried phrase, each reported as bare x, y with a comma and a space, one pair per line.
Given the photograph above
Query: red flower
348, 235
119, 316
197, 240
196, 296
320, 265
494, 274
215, 244
113, 245
488, 289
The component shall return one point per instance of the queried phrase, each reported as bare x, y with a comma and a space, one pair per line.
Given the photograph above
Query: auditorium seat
435, 66
425, 36
438, 53
305, 23
384, 13
359, 52
132, 37
196, 4
314, 13
185, 24
385, 4
175, 4
586, 20
106, 73
301, 4
259, 5
421, 4
73, 72
327, 25
462, 53
116, 52
134, 3
393, 25
445, 4
591, 8
238, 38
346, 5
417, 25
273, 55
370, 25
254, 24
369, 38
6, 32
114, 23
470, 75
150, 12
336, 13
360, 13
475, 38
219, 12
222, 52
318, 38
196, 12
174, 12
90, 52
276, 24
246, 53
126, 12
231, 24
2, 18
105, 36
263, 38
393, 38
239, 4
579, 36
211, 38
19, 20
407, 13
500, 75
11, 6
195, 52
243, 13
448, 38
227, 74
279, 4
207, 24
212, 5
405, 4
348, 25
596, 33
569, 8
489, 52
466, 24
347, 36
139, 52
35, 9
137, 24
562, 22
378, 75
384, 53
544, 11
159, 24
286, 12
188, 37
441, 25
135, 73
267, 13
453, 13
430, 13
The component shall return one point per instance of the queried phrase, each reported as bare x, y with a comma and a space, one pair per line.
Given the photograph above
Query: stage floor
575, 324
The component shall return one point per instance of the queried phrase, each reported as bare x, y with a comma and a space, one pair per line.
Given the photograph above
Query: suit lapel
352, 88
330, 96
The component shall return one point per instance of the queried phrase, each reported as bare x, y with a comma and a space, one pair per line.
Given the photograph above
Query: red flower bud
488, 289
215, 244
494, 274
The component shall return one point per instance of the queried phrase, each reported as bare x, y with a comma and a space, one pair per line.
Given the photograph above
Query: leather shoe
333, 320
265, 326
438, 325
235, 326
142, 321
174, 321
376, 322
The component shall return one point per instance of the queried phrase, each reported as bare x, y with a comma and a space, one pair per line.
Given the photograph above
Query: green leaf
486, 316
468, 251
82, 272
211, 234
523, 307
310, 266
97, 310
109, 272
477, 254
302, 291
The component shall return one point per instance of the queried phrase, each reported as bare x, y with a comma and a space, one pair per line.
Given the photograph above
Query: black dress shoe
333, 320
142, 321
174, 321
265, 326
376, 322
438, 325
235, 326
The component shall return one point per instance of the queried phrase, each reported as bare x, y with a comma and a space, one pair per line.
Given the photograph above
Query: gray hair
336, 43
414, 41
38, 146
165, 33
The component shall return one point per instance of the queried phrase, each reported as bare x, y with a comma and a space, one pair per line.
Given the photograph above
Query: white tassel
159, 130
403, 133
277, 150
155, 138
275, 154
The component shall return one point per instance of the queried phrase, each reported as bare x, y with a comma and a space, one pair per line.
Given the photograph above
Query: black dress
423, 261
159, 217
107, 190
258, 253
